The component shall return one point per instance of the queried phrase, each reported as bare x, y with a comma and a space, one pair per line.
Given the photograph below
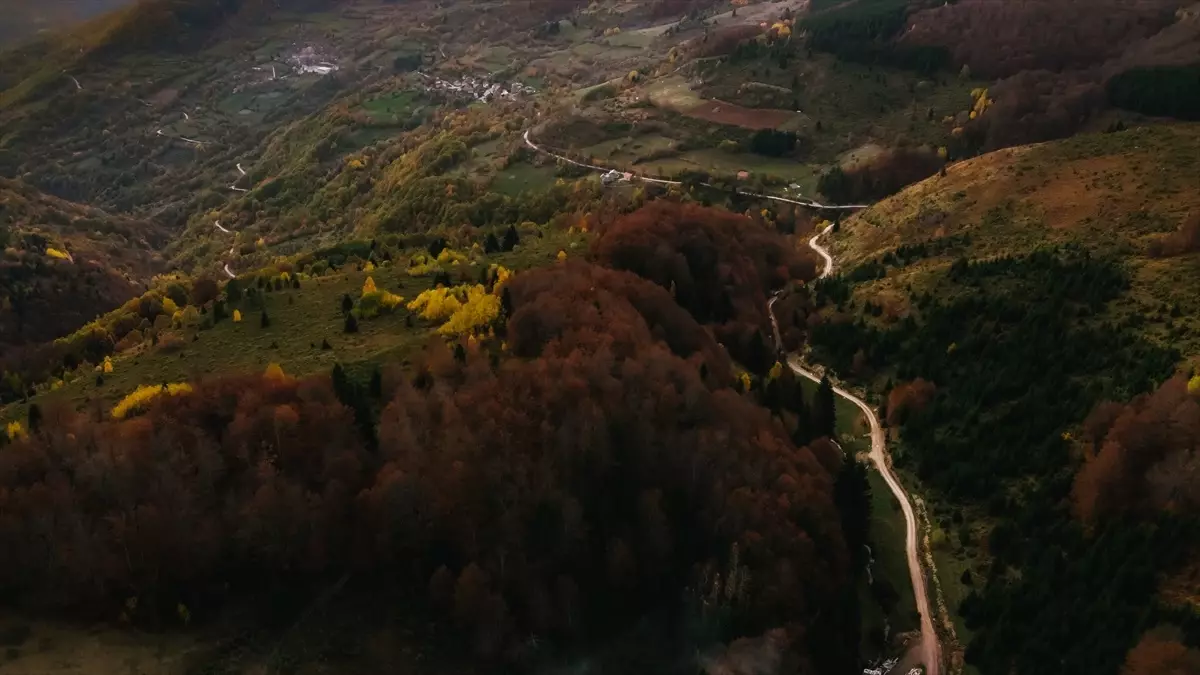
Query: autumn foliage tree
238, 480
1158, 654
999, 39
1141, 457
883, 175
603, 471
640, 475
718, 265
908, 398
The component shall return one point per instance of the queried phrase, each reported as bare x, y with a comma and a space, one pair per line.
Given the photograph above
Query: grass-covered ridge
1120, 196
305, 330
1029, 286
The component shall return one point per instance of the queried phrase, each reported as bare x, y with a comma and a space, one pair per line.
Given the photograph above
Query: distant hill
23, 19
65, 263
1130, 195
1020, 291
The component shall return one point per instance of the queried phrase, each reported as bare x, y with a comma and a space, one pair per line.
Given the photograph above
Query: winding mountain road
810, 203
228, 272
930, 648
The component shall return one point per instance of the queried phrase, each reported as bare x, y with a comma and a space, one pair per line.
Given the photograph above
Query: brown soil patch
1084, 191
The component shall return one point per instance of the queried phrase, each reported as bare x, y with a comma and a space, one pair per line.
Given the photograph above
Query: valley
664, 336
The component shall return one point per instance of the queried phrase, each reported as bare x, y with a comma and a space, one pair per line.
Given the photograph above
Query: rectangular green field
521, 177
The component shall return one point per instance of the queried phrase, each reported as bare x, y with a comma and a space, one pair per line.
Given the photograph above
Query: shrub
137, 400
372, 304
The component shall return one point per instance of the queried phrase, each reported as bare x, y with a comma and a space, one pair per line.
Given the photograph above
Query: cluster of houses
887, 666
481, 89
882, 669
309, 60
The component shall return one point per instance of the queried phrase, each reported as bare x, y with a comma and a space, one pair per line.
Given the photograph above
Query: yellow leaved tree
169, 307
371, 304
562, 255
139, 398
237, 316
476, 313
435, 303
449, 256
501, 274
14, 431
776, 371
274, 372
369, 285
108, 366
1194, 386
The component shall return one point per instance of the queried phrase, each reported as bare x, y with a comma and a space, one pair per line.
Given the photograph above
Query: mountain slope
64, 263
1002, 304
1125, 195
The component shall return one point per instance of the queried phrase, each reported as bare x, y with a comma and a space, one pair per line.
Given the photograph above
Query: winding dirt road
930, 648
228, 272
662, 181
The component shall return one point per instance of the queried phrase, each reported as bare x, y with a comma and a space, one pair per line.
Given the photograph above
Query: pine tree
506, 307
376, 386
758, 354
264, 321
325, 346
824, 415
351, 323
347, 303
352, 396
490, 243
511, 238
852, 495
233, 291
34, 421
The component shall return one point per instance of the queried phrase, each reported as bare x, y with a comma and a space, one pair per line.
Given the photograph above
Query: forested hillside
1021, 292
1051, 61
64, 263
569, 467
